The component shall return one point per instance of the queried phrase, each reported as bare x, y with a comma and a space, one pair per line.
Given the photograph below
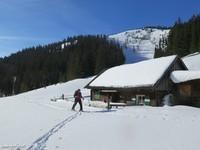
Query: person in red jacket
77, 99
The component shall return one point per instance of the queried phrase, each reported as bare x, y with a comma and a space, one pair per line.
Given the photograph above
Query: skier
77, 99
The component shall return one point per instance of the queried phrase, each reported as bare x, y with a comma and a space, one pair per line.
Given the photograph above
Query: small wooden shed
141, 83
186, 87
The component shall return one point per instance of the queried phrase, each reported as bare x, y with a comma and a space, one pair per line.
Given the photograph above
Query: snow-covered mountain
139, 44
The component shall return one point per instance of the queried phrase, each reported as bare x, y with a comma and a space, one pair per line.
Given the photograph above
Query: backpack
75, 93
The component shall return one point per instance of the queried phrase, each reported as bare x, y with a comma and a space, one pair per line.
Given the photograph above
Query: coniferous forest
183, 39
40, 66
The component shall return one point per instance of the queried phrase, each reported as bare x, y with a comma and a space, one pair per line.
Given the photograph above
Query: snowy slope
25, 117
31, 121
192, 61
139, 44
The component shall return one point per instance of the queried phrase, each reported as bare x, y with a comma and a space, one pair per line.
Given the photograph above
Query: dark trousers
80, 103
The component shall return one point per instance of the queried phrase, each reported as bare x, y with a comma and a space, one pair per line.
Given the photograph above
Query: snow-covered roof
192, 61
141, 74
183, 76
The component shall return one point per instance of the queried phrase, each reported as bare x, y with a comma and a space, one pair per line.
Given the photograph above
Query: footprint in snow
57, 147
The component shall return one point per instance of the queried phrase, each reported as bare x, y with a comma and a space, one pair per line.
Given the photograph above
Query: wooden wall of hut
188, 93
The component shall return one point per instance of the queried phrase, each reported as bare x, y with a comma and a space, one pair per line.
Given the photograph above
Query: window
96, 95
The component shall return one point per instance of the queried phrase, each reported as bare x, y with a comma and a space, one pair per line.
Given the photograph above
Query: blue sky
25, 23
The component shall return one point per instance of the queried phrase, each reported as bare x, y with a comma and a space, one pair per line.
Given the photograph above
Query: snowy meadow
33, 121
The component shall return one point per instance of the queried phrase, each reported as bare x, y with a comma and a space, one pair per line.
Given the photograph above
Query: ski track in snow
40, 143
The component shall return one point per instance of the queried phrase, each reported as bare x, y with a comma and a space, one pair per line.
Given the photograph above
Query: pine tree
183, 39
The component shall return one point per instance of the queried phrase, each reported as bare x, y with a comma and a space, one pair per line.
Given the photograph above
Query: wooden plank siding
188, 93
165, 83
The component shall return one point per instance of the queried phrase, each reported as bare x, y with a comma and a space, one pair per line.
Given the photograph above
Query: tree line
183, 39
74, 57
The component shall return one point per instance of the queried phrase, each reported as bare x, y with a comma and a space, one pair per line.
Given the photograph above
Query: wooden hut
186, 87
141, 83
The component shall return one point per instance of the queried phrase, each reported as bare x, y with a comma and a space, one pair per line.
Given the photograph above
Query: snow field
32, 121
